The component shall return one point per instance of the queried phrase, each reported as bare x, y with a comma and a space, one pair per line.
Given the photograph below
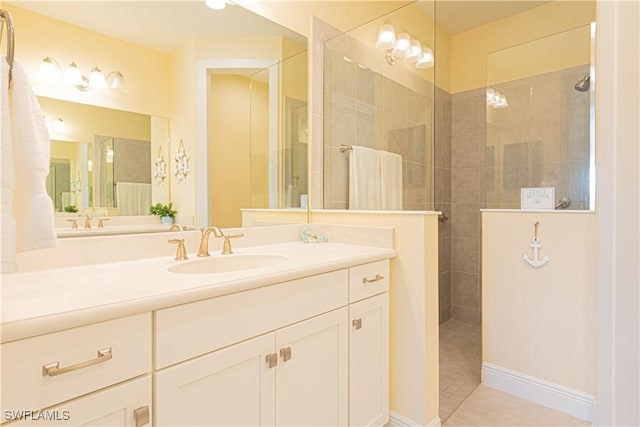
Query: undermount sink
226, 263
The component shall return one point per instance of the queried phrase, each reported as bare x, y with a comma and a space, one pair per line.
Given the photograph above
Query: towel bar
5, 16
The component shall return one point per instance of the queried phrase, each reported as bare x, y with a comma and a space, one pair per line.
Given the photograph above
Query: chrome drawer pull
378, 277
53, 369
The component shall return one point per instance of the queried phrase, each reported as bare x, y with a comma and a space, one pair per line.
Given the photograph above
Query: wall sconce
49, 69
496, 99
403, 47
55, 125
217, 4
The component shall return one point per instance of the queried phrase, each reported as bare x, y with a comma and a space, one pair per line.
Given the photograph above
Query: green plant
163, 210
70, 208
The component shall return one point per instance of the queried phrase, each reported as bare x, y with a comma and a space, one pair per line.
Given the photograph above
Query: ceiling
159, 25
165, 25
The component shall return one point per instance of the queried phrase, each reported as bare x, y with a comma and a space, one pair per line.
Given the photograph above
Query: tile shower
364, 106
459, 155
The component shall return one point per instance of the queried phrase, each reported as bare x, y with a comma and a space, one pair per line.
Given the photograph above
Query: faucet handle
74, 223
181, 251
101, 222
226, 246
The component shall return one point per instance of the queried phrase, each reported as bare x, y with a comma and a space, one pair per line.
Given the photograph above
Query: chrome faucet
203, 250
204, 241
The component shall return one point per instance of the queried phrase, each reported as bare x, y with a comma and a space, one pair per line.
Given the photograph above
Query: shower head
583, 84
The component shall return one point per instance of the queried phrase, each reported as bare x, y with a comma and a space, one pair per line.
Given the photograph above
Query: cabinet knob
141, 416
357, 323
272, 360
285, 353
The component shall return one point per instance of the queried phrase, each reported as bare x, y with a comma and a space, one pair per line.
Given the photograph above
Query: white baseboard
555, 396
397, 420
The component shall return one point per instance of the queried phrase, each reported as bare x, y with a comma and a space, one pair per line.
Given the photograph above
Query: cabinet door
369, 362
312, 380
124, 405
229, 387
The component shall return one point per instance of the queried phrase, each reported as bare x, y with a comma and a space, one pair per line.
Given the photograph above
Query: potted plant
166, 212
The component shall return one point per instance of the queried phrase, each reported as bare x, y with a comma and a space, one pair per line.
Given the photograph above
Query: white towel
8, 223
29, 140
133, 198
364, 179
391, 181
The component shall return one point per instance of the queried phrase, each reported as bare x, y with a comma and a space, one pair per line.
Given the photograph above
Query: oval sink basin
226, 263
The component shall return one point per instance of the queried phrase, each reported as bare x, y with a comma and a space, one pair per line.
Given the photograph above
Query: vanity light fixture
50, 68
496, 99
217, 4
403, 47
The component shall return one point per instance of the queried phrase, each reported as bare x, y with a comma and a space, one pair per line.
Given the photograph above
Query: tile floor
487, 406
465, 402
460, 363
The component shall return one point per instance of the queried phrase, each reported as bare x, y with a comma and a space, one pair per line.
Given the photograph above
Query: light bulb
49, 69
96, 79
72, 75
386, 37
415, 52
426, 60
216, 4
403, 45
117, 81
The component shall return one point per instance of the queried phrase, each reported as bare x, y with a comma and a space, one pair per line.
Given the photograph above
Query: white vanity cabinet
276, 355
286, 377
369, 344
79, 367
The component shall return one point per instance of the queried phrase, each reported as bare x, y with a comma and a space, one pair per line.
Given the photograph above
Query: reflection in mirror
101, 159
160, 46
257, 136
379, 115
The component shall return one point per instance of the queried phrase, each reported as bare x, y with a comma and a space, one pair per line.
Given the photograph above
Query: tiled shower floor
460, 363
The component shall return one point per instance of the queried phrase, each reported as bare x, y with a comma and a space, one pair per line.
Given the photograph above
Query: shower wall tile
442, 111
394, 98
365, 86
464, 185
468, 112
467, 150
464, 220
464, 255
341, 75
416, 143
465, 314
336, 175
444, 227
443, 185
442, 150
465, 290
416, 107
444, 256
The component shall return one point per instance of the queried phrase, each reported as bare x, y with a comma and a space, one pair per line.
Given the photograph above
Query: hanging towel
391, 181
133, 198
7, 221
364, 178
33, 208
127, 198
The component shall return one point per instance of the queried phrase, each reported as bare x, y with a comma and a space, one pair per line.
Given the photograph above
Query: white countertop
41, 302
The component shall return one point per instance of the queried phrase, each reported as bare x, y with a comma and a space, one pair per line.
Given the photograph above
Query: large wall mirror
103, 160
246, 141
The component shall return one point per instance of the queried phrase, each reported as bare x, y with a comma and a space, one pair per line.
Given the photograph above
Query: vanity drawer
28, 385
189, 330
368, 279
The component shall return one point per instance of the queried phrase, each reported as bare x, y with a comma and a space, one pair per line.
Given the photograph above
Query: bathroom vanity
301, 341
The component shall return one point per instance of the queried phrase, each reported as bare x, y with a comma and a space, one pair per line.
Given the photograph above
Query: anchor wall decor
536, 262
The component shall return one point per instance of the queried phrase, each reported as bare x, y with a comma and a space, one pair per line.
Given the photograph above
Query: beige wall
541, 322
469, 48
146, 72
259, 167
229, 144
414, 366
618, 202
